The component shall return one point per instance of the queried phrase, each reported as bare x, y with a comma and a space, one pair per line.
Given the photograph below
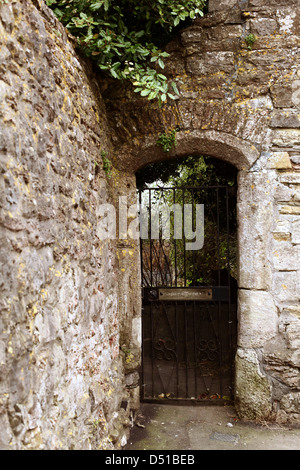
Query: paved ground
168, 427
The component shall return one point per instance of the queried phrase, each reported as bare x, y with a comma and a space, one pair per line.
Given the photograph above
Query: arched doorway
254, 229
189, 281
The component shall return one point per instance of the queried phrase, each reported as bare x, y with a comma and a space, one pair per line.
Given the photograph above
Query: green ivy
167, 141
106, 164
125, 37
250, 40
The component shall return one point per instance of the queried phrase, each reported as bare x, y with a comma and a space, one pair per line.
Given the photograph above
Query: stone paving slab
169, 427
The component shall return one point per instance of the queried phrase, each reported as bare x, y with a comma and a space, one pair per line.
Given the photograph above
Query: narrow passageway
192, 428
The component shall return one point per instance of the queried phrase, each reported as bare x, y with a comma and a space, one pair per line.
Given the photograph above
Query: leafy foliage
189, 171
167, 141
125, 37
106, 164
250, 40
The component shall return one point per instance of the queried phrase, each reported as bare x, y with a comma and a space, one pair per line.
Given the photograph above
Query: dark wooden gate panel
189, 304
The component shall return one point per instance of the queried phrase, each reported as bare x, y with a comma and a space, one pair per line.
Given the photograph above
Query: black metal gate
188, 265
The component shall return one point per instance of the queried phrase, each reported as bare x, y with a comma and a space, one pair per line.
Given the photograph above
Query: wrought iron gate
189, 293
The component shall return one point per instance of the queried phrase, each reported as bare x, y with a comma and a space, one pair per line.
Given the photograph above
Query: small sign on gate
184, 294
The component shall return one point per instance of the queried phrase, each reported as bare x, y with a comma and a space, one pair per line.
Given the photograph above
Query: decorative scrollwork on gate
207, 350
165, 349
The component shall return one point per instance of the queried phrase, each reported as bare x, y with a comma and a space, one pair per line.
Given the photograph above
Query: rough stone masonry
63, 352
70, 302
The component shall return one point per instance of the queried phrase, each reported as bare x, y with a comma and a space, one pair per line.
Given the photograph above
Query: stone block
287, 19
290, 326
255, 215
259, 102
295, 98
254, 270
291, 402
290, 209
285, 287
253, 390
210, 63
258, 318
217, 38
290, 178
295, 159
283, 193
283, 227
286, 257
293, 310
286, 94
281, 236
137, 332
216, 5
132, 379
262, 4
278, 362
295, 232
287, 138
263, 26
279, 161
285, 118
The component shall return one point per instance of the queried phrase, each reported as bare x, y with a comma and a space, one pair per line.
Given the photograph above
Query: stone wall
62, 371
240, 101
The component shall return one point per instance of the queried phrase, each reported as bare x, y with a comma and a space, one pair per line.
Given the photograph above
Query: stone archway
240, 104
233, 150
257, 311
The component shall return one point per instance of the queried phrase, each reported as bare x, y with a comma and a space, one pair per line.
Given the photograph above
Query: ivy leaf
114, 73
152, 95
161, 64
174, 86
96, 6
58, 13
145, 92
